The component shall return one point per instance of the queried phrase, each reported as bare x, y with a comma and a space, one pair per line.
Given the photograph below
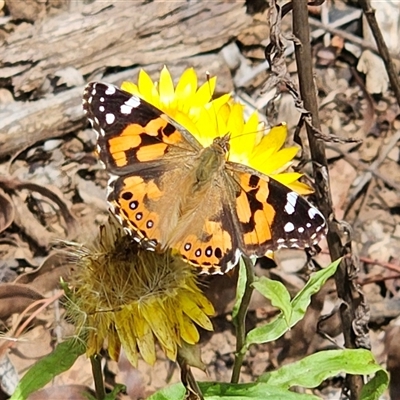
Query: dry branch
22, 124
105, 35
119, 34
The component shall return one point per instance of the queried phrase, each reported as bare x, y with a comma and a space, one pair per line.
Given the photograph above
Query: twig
377, 278
345, 287
358, 165
240, 321
383, 264
364, 44
383, 49
375, 165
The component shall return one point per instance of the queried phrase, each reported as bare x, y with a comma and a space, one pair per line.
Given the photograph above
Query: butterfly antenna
208, 77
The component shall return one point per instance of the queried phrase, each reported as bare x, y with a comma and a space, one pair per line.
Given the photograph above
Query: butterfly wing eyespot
215, 250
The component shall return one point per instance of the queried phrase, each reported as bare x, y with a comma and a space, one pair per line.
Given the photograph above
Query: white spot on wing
312, 212
132, 102
110, 90
289, 227
291, 200
110, 118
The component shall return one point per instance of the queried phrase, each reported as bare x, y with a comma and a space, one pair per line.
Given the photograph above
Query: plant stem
98, 376
240, 320
188, 380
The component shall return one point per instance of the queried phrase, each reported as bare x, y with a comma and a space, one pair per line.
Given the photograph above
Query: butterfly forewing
131, 133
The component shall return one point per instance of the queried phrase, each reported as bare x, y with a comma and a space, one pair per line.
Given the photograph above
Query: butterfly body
171, 192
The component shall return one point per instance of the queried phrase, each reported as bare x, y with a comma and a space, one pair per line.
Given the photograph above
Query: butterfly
169, 191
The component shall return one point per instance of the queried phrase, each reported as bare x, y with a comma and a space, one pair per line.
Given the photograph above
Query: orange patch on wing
243, 208
151, 152
262, 192
262, 218
140, 188
262, 229
128, 139
154, 126
220, 237
173, 138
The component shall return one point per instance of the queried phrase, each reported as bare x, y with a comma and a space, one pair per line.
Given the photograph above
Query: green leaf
258, 390
278, 327
302, 300
276, 292
374, 389
118, 388
306, 373
42, 372
241, 286
229, 391
268, 332
312, 370
173, 392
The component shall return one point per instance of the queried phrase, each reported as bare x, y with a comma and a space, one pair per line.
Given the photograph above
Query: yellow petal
204, 93
276, 162
130, 87
186, 87
290, 179
188, 330
92, 344
114, 345
166, 88
287, 177
207, 128
272, 141
254, 127
217, 103
154, 314
191, 309
235, 122
147, 89
187, 123
126, 336
144, 336
301, 188
203, 303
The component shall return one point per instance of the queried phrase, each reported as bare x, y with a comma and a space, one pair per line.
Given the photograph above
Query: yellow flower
126, 296
250, 143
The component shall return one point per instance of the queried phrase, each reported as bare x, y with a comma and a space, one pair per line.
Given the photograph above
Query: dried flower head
130, 297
